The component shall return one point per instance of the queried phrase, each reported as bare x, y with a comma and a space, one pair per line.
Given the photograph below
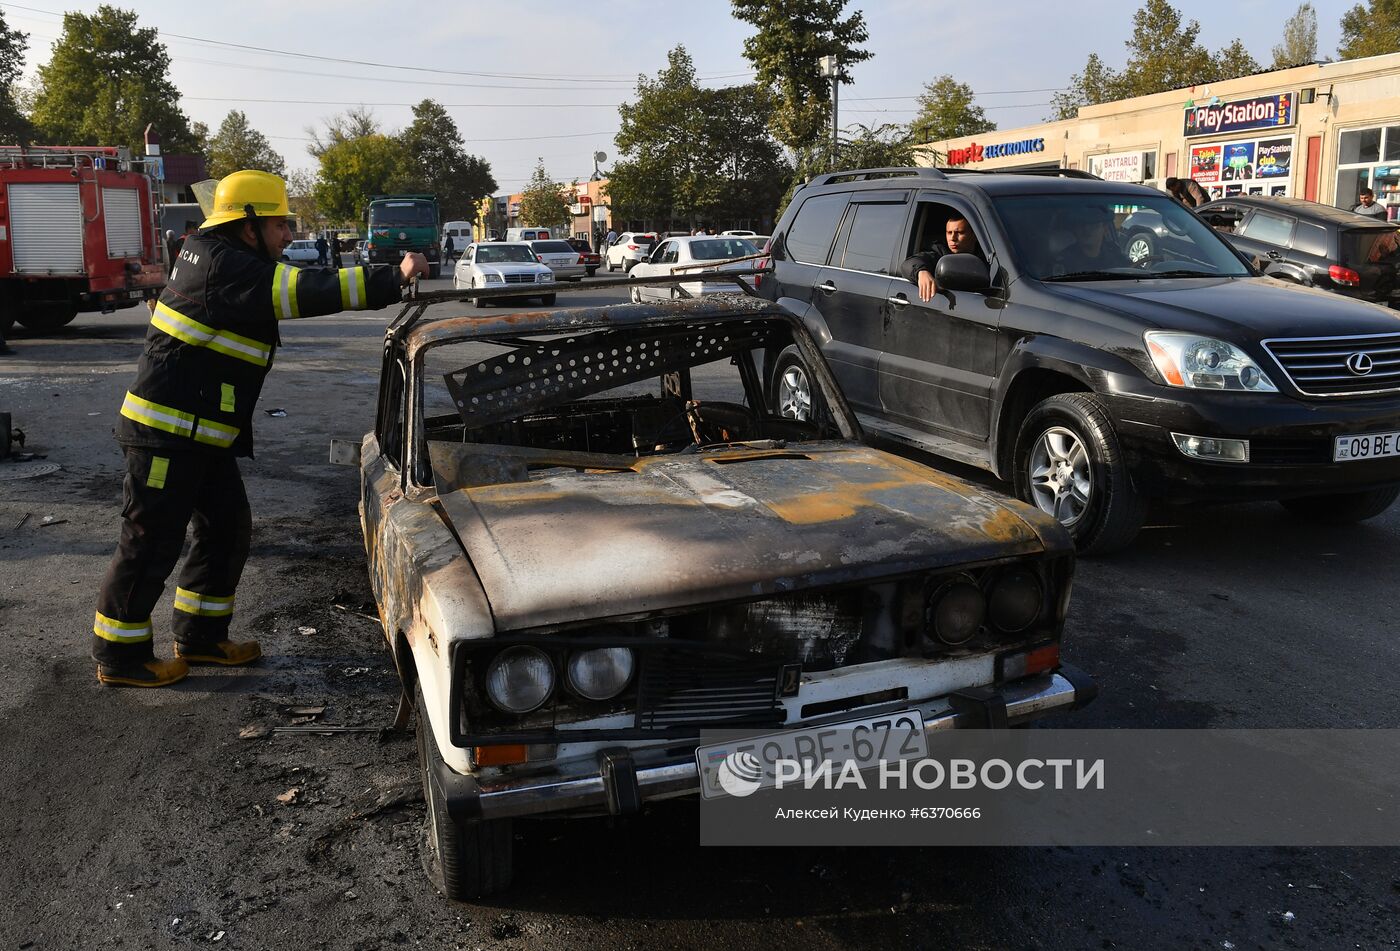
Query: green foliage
543, 201
237, 145
106, 80
356, 123
883, 146
1370, 29
947, 111
438, 164
1163, 54
793, 35
695, 155
1299, 45
13, 44
301, 196
353, 170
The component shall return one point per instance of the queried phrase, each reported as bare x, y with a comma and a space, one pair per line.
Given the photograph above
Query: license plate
1366, 446
749, 765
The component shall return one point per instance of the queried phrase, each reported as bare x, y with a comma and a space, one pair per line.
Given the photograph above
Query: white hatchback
501, 264
301, 251
679, 255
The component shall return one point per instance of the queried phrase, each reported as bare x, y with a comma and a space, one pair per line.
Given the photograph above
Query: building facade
1321, 132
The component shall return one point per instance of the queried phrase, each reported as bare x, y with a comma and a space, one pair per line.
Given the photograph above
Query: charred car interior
591, 535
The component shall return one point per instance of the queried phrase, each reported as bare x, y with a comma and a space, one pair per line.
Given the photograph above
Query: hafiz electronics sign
977, 153
1263, 112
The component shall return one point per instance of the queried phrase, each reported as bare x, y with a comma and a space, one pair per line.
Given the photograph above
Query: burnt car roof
711, 307
1301, 208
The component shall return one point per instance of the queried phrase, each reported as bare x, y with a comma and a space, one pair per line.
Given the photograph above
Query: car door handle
827, 288
1276, 255
898, 300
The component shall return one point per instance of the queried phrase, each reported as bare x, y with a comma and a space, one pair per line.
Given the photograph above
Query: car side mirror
962, 272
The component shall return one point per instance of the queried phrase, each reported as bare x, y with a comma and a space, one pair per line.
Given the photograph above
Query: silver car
560, 257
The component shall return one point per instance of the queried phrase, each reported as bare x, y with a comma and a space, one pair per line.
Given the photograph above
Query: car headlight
955, 611
601, 673
495, 279
1015, 601
546, 278
1204, 363
519, 679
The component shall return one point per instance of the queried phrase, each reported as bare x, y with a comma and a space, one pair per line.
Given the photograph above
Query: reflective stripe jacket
213, 335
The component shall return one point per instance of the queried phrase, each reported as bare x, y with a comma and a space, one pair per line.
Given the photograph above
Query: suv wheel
792, 386
1140, 246
1069, 465
466, 858
1344, 507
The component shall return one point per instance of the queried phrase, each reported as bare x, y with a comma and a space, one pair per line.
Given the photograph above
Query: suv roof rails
1047, 172
865, 174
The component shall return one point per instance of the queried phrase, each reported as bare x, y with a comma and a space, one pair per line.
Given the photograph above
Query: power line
410, 105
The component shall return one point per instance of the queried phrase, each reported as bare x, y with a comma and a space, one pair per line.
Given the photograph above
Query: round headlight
955, 612
519, 679
1015, 601
601, 673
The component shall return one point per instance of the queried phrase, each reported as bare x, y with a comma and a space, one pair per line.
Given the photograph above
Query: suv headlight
1204, 363
546, 277
601, 673
494, 279
519, 679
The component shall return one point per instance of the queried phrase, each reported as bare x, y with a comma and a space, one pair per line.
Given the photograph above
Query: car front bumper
619, 780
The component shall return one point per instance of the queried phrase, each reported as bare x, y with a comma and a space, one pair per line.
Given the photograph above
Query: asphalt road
141, 819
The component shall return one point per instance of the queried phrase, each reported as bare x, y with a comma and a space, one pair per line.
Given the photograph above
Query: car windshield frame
732, 239
526, 255
1042, 230
389, 214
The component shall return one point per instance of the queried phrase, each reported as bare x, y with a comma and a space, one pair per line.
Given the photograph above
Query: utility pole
831, 69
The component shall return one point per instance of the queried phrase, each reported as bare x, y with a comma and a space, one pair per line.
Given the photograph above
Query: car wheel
791, 387
1344, 507
1140, 247
548, 300
592, 271
478, 302
434, 270
610, 266
636, 293
286, 260
1069, 465
466, 858
45, 318
627, 266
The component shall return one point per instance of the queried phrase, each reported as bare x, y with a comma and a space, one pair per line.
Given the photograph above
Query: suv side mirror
962, 272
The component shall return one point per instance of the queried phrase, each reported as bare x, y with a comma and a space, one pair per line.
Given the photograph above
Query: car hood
1255, 307
677, 531
521, 267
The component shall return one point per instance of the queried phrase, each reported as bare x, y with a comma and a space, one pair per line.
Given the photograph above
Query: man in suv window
1091, 382
958, 239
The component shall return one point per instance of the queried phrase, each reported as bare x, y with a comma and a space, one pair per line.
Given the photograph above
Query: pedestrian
336, 248
321, 249
1368, 205
189, 415
447, 249
1187, 191
611, 238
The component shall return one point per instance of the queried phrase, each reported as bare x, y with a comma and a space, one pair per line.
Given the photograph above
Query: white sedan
501, 264
674, 254
301, 251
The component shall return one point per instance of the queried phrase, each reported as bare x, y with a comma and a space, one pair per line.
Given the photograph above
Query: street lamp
830, 69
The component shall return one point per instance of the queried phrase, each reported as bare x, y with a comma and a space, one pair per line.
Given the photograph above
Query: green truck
397, 224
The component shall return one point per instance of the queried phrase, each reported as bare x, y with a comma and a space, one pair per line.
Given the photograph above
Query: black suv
1312, 244
1091, 381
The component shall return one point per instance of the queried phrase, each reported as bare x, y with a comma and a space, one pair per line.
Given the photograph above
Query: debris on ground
305, 711
22, 519
306, 631
277, 412
52, 520
254, 731
290, 796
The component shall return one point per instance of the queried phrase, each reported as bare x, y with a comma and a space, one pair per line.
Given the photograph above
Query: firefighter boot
152, 673
227, 653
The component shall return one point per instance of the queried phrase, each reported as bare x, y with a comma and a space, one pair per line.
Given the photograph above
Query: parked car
727, 567
528, 234
1090, 383
300, 251
677, 255
1314, 245
591, 259
498, 265
739, 234
630, 248
561, 258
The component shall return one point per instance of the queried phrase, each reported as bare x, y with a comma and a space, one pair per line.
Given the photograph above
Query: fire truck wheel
48, 317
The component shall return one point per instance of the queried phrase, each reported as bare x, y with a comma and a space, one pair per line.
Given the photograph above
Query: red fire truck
77, 233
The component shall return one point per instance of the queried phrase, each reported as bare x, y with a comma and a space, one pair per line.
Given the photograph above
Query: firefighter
189, 414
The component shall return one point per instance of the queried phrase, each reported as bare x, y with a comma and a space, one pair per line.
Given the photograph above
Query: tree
946, 111
793, 35
13, 44
1094, 84
438, 163
237, 145
353, 170
356, 123
1233, 61
882, 146
1370, 29
106, 80
543, 201
1299, 45
301, 196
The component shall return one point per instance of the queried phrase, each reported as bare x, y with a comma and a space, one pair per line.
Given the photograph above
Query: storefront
1227, 155
1370, 158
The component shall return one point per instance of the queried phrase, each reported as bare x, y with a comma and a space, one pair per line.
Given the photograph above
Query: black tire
1344, 507
1099, 506
1142, 243
790, 379
45, 318
547, 300
627, 266
592, 271
286, 260
468, 858
610, 266
478, 301
434, 271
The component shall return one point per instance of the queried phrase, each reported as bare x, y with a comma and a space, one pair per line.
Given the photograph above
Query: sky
529, 80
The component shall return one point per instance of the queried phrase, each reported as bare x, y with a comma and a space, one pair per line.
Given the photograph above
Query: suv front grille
1322, 366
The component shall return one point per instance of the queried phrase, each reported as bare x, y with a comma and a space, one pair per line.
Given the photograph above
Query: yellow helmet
266, 192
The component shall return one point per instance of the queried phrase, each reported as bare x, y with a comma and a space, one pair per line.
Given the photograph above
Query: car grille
1321, 366
520, 278
679, 686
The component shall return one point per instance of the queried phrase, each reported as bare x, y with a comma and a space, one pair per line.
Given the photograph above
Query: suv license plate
1366, 446
892, 737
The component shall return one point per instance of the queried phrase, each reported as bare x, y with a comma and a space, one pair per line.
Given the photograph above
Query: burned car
592, 534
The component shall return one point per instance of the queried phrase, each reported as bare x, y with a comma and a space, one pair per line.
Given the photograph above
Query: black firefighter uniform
188, 416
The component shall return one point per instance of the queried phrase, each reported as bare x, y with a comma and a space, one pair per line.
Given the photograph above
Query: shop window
1359, 145
1350, 181
1392, 143
1149, 166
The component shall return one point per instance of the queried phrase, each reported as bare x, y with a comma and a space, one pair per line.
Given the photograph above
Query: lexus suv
1091, 378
